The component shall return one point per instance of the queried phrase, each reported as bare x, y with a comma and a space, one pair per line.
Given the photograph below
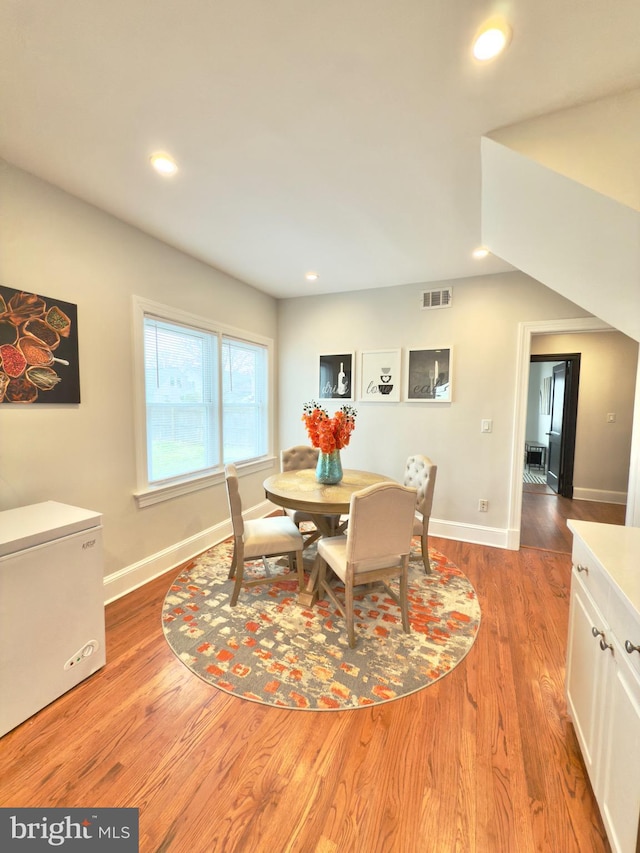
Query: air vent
436, 298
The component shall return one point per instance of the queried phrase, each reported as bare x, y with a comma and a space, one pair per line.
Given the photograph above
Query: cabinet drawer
594, 578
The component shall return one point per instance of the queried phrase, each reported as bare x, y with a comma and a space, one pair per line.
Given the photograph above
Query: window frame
147, 493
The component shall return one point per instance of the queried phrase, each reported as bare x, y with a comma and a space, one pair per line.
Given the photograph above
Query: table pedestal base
327, 525
308, 599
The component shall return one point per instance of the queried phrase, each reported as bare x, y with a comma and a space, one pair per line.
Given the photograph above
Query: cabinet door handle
597, 633
630, 648
580, 568
604, 645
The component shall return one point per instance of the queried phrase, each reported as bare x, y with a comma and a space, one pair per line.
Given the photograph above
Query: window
204, 399
244, 400
181, 398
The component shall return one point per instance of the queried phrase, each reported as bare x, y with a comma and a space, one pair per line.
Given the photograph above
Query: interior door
555, 458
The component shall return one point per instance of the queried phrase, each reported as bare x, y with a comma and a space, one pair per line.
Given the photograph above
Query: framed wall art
428, 375
380, 372
38, 349
336, 376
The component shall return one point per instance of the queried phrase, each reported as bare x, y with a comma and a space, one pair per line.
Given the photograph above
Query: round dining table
300, 490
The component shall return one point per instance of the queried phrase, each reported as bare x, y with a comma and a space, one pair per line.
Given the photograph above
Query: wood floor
544, 516
484, 760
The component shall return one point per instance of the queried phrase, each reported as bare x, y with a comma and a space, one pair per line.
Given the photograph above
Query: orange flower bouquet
329, 434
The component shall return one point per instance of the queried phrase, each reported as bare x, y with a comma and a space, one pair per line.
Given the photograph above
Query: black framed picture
428, 375
336, 377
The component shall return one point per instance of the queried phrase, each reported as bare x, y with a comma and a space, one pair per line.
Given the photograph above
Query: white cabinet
620, 771
587, 673
603, 671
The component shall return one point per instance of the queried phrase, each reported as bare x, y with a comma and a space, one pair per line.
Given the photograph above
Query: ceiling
340, 136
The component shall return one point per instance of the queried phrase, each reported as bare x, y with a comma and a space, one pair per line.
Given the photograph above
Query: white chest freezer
52, 633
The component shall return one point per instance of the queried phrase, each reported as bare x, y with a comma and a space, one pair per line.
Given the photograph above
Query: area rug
530, 477
272, 650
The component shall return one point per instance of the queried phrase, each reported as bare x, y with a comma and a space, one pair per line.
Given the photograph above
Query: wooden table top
300, 490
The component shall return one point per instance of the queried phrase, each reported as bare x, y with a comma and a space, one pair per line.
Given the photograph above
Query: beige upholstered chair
262, 537
299, 457
375, 548
295, 459
420, 474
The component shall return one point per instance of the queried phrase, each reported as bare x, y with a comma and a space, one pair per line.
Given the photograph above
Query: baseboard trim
137, 574
599, 495
476, 534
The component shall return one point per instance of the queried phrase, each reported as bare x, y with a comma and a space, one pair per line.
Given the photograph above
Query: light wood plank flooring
484, 760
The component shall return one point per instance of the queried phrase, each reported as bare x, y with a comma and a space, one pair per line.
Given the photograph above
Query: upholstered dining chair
260, 538
420, 474
375, 548
296, 459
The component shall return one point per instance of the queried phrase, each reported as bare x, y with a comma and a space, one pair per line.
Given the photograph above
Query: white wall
608, 367
482, 328
56, 245
595, 144
575, 240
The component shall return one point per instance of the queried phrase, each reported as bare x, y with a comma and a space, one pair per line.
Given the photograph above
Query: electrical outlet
483, 505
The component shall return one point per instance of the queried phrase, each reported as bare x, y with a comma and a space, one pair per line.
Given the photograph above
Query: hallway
545, 514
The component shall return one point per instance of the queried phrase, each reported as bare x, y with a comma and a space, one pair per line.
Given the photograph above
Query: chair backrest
420, 474
298, 457
235, 501
380, 525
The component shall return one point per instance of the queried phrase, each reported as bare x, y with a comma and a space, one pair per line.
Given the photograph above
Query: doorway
525, 332
560, 405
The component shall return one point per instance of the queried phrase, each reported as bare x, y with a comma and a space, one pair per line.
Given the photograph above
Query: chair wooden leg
424, 545
300, 567
237, 565
349, 615
237, 586
234, 562
320, 568
404, 600
309, 596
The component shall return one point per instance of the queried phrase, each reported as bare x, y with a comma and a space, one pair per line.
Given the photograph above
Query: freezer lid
27, 526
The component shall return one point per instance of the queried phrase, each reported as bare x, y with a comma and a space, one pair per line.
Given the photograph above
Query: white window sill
157, 494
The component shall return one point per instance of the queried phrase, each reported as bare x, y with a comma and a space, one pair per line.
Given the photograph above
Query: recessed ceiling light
492, 39
480, 252
164, 164
312, 276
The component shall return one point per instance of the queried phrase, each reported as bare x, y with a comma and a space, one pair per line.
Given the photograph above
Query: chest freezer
52, 629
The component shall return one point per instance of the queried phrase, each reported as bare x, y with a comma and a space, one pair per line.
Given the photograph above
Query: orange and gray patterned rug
270, 649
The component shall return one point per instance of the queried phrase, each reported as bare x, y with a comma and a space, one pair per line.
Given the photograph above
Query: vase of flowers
329, 435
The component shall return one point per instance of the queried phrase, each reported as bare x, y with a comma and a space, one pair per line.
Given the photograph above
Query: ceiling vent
436, 298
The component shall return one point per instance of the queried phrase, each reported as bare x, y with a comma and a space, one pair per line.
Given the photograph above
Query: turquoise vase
329, 468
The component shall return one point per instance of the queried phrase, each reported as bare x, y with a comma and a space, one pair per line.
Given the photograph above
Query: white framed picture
428, 375
380, 375
336, 376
